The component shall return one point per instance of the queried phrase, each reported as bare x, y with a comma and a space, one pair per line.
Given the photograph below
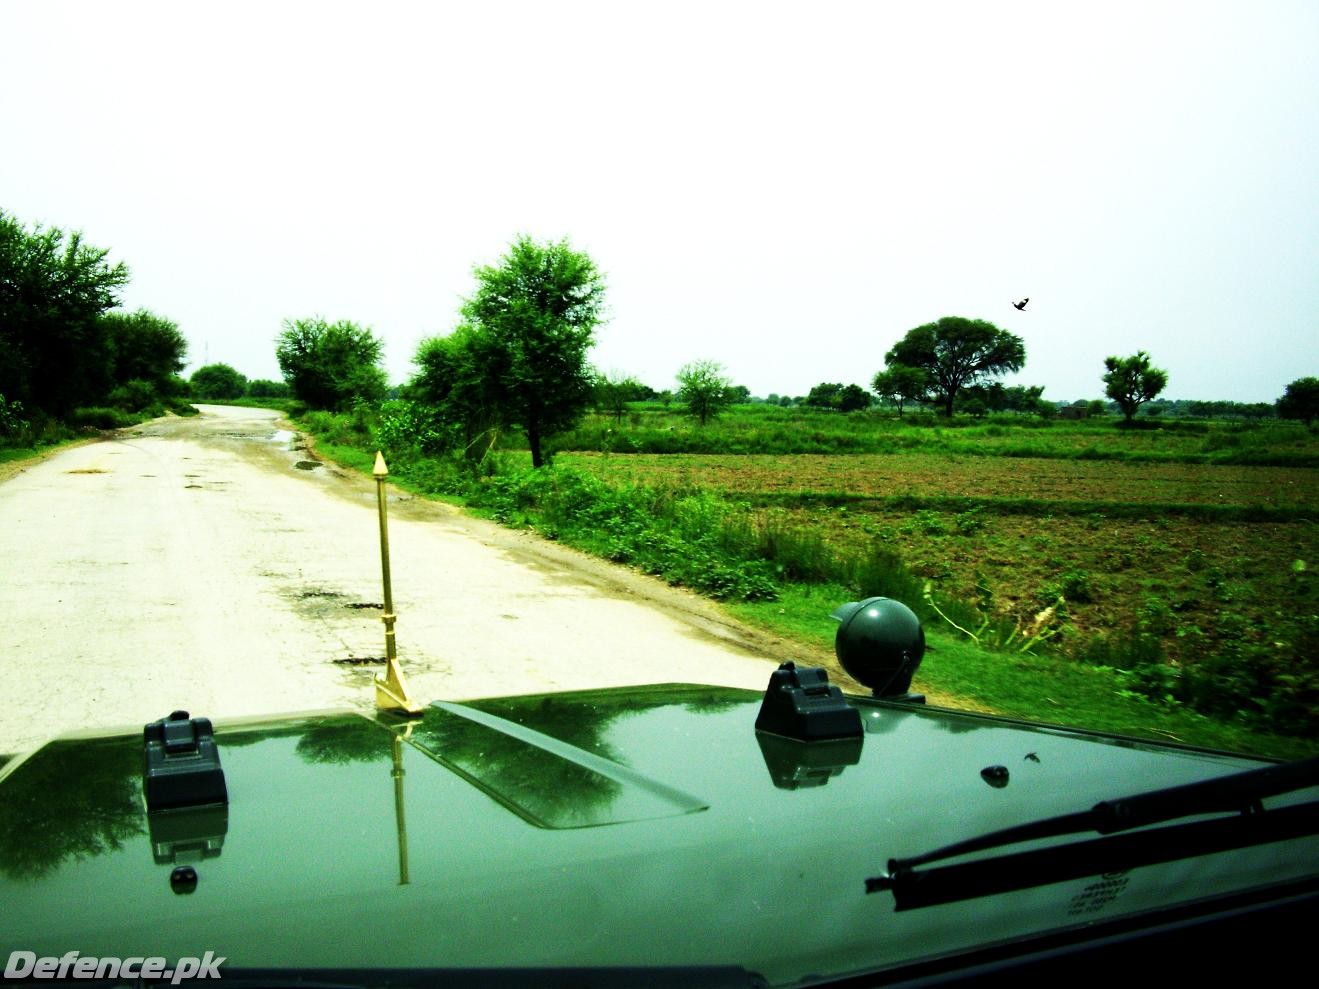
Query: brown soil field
1187, 580
924, 474
1175, 574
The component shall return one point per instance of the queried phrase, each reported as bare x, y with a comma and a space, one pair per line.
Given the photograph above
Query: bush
99, 417
13, 426
264, 388
218, 381
134, 396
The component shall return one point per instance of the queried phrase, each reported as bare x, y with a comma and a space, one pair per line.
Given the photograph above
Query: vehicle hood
623, 827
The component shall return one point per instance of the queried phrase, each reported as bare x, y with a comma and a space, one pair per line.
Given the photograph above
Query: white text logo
26, 964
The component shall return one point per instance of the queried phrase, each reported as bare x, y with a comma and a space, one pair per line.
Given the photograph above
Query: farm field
930, 475
764, 429
1181, 560
1176, 582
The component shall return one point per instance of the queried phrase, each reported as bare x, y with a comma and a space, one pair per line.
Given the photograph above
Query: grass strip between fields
1030, 507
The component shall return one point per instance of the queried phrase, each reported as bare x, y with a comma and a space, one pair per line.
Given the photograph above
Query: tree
825, 395
144, 347
955, 352
704, 389
534, 316
853, 398
219, 381
265, 388
901, 384
612, 392
1023, 398
455, 387
54, 350
1131, 382
329, 365
1300, 400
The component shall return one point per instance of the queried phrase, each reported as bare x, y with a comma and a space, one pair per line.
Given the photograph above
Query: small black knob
183, 879
995, 776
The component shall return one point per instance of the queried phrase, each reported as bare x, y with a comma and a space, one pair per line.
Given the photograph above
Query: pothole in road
307, 464
87, 470
361, 605
360, 661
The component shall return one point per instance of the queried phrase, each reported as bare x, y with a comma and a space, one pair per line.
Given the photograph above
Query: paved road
212, 564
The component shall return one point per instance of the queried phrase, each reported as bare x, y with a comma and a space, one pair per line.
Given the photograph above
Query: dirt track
211, 564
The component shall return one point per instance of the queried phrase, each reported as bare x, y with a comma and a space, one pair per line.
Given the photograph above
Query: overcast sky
784, 188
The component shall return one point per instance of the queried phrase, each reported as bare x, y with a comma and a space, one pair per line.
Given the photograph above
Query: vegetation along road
213, 564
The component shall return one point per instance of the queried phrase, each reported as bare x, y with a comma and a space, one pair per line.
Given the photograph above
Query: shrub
99, 417
13, 426
134, 396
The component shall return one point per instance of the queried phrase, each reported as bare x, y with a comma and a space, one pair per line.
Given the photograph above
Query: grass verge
787, 582
1032, 687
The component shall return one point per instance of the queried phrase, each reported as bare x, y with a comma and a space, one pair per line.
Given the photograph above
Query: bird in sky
1022, 304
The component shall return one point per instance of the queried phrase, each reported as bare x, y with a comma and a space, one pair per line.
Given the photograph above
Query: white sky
784, 188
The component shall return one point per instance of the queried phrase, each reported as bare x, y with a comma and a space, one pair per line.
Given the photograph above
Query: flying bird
1022, 304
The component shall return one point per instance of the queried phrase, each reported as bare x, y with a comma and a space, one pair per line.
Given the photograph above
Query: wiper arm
1240, 793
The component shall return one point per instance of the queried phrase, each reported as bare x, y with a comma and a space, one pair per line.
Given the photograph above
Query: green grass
21, 454
1032, 507
1030, 687
787, 579
765, 429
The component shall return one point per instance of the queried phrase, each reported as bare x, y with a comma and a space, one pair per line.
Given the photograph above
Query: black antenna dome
880, 643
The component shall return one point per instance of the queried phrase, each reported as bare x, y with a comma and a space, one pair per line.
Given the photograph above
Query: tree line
516, 360
64, 343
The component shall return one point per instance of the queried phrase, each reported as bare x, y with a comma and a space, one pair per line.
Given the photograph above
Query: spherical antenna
880, 643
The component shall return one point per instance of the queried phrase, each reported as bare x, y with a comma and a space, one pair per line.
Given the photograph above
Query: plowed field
931, 475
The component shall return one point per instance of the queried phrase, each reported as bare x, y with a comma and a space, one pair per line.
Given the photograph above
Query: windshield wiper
1240, 794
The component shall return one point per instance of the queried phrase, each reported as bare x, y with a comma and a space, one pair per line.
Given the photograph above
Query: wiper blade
1114, 853
1240, 793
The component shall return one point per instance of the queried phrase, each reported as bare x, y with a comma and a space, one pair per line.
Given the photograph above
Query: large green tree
145, 347
1131, 382
704, 389
1300, 400
218, 381
55, 352
532, 320
825, 395
330, 365
955, 352
458, 379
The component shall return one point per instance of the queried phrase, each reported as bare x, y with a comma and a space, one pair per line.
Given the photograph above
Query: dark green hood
629, 827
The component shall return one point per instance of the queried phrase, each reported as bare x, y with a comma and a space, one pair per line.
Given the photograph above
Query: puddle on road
282, 436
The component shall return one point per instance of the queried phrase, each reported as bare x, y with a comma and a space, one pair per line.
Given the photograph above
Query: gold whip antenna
391, 690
